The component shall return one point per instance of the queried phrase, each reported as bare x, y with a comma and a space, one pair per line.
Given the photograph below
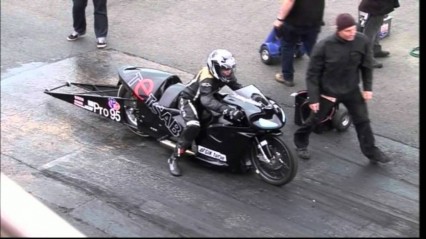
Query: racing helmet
218, 60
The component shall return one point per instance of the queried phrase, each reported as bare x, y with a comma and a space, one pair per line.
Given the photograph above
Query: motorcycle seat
170, 95
169, 81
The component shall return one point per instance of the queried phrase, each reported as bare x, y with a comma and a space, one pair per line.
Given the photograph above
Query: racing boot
173, 162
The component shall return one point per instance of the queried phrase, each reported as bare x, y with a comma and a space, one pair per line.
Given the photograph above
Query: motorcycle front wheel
280, 168
130, 107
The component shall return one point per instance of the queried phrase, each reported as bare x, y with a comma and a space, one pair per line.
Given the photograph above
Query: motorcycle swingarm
99, 99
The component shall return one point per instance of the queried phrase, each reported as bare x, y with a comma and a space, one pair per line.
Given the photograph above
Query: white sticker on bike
211, 153
171, 124
109, 113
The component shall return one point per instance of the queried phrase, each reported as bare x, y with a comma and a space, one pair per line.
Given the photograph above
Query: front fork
264, 149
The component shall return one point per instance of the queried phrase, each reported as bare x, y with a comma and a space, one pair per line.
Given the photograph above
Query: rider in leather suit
198, 94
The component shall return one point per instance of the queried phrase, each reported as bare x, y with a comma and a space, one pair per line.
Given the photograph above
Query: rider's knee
193, 127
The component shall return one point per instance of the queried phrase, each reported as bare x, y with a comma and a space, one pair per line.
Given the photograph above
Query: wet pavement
108, 182
104, 177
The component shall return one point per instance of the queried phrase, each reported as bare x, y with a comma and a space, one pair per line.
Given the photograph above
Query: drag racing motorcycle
146, 101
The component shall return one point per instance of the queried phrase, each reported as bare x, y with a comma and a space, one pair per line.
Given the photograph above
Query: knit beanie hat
344, 20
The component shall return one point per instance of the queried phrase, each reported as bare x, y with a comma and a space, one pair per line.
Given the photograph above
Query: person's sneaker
75, 35
378, 156
303, 153
381, 54
280, 78
101, 43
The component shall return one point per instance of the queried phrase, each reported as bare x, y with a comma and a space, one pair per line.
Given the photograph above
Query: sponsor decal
144, 88
135, 79
205, 84
174, 127
141, 87
108, 113
79, 101
76, 97
113, 104
87, 107
211, 153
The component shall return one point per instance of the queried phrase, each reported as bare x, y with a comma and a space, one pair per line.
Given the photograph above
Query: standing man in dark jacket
333, 76
377, 11
297, 20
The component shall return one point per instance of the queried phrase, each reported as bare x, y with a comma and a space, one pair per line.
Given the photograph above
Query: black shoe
280, 78
377, 65
303, 153
381, 54
378, 156
75, 35
173, 166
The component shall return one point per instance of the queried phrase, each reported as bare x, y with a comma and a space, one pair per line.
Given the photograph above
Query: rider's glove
234, 114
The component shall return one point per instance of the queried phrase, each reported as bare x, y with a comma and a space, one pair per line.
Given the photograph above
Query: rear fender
144, 82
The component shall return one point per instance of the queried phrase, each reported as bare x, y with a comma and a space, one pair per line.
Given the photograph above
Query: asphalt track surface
106, 181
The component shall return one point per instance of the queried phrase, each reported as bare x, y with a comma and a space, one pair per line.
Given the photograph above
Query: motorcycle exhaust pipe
173, 145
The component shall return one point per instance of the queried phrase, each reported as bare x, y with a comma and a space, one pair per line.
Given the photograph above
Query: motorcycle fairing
224, 144
159, 120
149, 85
258, 109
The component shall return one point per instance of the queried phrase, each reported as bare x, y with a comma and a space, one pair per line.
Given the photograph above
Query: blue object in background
270, 50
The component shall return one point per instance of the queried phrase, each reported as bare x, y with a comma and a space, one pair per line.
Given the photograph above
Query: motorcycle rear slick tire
281, 169
129, 107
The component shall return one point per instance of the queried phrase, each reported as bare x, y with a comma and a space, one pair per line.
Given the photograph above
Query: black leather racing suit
199, 94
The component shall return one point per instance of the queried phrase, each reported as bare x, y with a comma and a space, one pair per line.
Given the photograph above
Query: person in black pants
79, 21
377, 11
333, 76
297, 21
